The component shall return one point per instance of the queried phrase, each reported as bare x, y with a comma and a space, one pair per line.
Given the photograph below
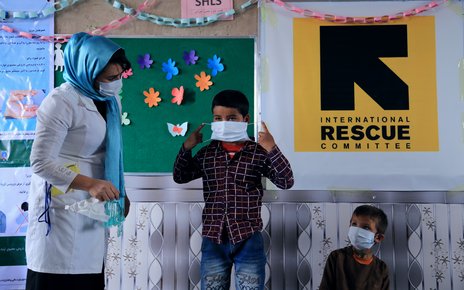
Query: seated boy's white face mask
229, 131
360, 238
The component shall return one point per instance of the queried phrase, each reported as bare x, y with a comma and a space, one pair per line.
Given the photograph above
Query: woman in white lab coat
76, 158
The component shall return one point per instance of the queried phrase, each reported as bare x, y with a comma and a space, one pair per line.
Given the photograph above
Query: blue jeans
248, 257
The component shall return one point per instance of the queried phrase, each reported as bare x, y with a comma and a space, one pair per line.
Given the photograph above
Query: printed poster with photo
26, 68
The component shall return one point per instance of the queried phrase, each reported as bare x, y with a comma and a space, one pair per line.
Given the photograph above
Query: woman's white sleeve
54, 119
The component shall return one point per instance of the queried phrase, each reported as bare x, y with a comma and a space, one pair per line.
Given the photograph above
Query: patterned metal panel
161, 245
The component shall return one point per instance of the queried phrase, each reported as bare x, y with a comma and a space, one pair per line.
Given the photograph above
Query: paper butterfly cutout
177, 130
178, 94
124, 120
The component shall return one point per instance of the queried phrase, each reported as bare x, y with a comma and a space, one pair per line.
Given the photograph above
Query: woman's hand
100, 189
103, 190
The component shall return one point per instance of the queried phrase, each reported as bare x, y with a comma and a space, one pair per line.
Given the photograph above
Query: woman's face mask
229, 131
109, 82
110, 89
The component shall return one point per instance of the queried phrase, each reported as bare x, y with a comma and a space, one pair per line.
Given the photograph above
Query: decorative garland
131, 14
114, 24
193, 22
361, 20
57, 6
182, 22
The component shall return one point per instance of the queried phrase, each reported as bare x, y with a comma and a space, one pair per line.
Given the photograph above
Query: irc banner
365, 106
365, 87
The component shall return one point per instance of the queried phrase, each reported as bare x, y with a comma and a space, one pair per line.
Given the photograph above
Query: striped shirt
232, 187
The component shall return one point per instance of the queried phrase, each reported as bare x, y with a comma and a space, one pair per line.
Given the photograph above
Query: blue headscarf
85, 57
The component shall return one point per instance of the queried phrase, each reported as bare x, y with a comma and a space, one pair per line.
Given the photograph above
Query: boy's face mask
360, 238
229, 131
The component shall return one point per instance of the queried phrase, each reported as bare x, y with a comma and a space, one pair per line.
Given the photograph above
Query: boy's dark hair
120, 58
232, 99
374, 213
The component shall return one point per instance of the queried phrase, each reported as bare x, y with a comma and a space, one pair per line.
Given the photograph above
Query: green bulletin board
148, 145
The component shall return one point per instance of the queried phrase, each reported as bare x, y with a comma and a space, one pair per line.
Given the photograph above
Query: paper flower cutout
190, 57
127, 73
170, 69
124, 120
178, 94
203, 81
177, 130
215, 65
152, 98
144, 61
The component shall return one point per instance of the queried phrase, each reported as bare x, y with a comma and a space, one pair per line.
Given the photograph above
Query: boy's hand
265, 138
194, 138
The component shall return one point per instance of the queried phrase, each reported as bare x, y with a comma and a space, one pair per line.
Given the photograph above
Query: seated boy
231, 167
355, 267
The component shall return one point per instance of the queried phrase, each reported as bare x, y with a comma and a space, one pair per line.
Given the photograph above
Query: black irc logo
350, 54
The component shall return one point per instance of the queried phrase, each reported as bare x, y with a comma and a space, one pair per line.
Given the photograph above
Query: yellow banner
364, 88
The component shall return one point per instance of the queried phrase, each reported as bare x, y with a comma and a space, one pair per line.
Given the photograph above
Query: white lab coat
70, 131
